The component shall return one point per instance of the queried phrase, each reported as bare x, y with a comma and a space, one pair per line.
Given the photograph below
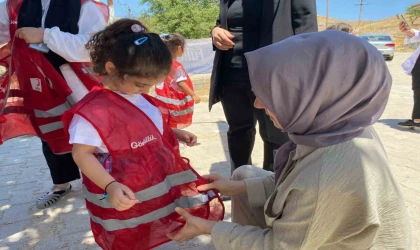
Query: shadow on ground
393, 123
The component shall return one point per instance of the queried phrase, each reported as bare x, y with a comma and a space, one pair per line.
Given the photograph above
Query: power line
362, 2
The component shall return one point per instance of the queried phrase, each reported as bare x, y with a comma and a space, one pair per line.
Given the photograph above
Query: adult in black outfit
243, 26
412, 67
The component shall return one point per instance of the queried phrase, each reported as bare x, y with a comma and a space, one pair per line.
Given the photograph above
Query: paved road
24, 176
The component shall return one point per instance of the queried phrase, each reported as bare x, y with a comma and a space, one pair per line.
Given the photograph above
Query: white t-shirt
180, 76
82, 132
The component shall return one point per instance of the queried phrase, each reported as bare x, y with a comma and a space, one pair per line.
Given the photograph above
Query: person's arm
72, 47
189, 138
312, 213
287, 232
4, 24
90, 166
85, 139
304, 16
415, 38
222, 39
259, 189
180, 78
184, 87
218, 22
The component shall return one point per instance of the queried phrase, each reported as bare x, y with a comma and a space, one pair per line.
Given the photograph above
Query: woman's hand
188, 138
222, 39
408, 32
224, 185
194, 226
118, 193
30, 35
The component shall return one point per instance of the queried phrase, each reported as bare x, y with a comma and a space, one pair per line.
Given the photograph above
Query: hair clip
141, 40
164, 36
136, 28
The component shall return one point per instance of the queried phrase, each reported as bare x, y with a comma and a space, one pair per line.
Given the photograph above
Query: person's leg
416, 109
242, 212
273, 137
239, 115
415, 119
63, 170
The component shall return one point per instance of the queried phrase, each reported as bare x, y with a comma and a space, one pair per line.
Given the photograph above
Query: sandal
52, 197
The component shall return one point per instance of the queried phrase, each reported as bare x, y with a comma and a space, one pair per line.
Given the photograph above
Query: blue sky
339, 9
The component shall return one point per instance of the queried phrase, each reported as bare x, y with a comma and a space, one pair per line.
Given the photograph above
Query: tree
191, 18
414, 12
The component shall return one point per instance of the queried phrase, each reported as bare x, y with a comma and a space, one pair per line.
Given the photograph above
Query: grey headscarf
324, 88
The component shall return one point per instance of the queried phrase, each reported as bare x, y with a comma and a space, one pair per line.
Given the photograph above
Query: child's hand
196, 99
118, 193
188, 138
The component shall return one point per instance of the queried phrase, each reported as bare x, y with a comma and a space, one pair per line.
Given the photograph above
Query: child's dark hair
121, 43
341, 27
173, 41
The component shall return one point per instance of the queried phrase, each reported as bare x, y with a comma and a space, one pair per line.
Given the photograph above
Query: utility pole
111, 10
362, 2
128, 8
328, 12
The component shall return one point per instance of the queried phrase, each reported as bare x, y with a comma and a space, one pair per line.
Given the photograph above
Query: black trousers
242, 116
416, 89
416, 108
63, 169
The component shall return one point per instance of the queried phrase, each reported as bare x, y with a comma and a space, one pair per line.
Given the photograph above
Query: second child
177, 90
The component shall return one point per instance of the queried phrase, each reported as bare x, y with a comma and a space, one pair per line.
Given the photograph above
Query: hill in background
386, 26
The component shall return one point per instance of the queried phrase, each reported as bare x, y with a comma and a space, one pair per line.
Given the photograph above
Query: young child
133, 174
177, 91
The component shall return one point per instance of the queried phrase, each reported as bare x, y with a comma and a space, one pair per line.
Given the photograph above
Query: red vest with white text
147, 162
33, 95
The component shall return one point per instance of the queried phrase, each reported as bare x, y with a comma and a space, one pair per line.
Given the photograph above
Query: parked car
383, 43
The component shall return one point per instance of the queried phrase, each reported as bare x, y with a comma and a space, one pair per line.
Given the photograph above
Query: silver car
383, 43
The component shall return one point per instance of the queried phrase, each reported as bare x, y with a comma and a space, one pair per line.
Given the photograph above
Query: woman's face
260, 105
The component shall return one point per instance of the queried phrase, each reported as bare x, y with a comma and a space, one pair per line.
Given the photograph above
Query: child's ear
110, 68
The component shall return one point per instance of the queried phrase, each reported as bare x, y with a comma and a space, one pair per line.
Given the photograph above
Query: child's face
131, 85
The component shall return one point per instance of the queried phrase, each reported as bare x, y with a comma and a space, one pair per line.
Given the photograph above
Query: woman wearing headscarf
332, 187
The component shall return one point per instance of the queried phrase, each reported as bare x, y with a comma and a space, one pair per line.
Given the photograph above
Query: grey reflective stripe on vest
56, 111
181, 112
184, 202
148, 193
51, 127
174, 101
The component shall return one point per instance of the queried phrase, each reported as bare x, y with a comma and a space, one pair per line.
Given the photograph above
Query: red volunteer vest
180, 105
33, 95
147, 162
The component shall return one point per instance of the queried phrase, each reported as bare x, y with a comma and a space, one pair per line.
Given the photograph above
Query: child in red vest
177, 91
133, 174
